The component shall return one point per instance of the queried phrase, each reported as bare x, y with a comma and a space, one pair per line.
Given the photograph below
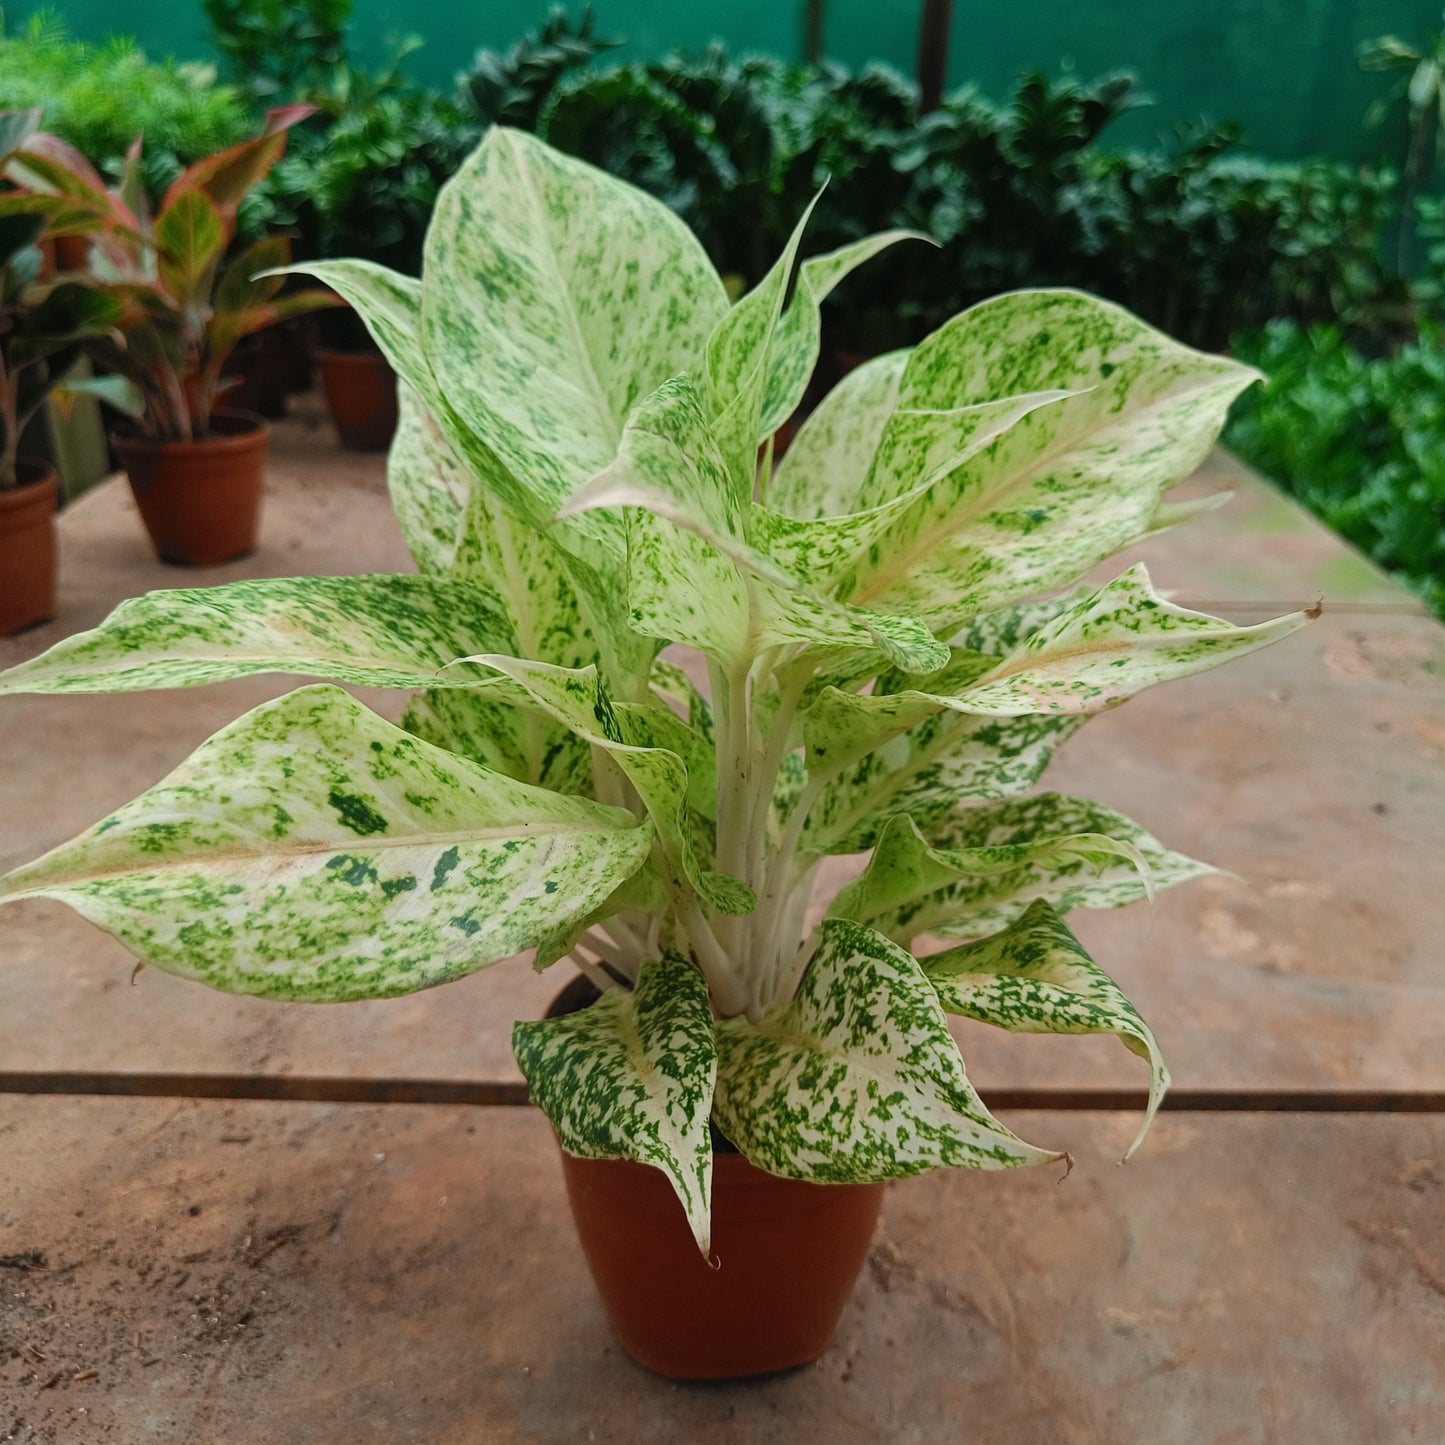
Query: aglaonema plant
187, 303
894, 636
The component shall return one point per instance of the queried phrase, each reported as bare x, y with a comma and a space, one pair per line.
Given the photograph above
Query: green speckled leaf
917, 453
650, 744
311, 851
378, 631
1112, 644
857, 1077
554, 298
824, 469
632, 1077
794, 351
1064, 487
1036, 978
429, 486
979, 869
693, 577
739, 367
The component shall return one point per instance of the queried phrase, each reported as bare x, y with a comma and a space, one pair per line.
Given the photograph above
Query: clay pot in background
360, 389
200, 500
27, 547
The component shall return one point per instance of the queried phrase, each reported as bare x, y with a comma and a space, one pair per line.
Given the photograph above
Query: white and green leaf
554, 298
856, 1078
979, 869
381, 631
1035, 977
632, 1077
311, 851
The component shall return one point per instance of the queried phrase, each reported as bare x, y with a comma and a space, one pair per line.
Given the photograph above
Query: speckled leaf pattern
917, 452
794, 351
857, 1077
391, 306
738, 369
429, 486
554, 298
693, 577
632, 1077
312, 852
1112, 644
980, 868
1065, 486
824, 469
947, 759
1036, 978
385, 631
650, 745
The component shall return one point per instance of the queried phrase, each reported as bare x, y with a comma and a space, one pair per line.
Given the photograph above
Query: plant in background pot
890, 659
44, 322
196, 471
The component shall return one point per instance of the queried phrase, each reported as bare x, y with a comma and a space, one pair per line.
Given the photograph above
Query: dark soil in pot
200, 500
785, 1257
360, 389
27, 547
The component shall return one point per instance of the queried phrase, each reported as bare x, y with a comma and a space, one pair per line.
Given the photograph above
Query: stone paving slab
266, 1274
1313, 771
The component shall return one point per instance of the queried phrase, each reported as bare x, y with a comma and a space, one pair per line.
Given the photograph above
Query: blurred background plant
1328, 273
100, 97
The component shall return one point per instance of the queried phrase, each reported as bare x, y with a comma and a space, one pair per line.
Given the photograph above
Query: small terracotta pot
72, 253
27, 547
361, 392
200, 500
260, 371
785, 1257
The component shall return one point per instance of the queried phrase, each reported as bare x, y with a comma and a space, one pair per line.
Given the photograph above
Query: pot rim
253, 432
44, 480
371, 356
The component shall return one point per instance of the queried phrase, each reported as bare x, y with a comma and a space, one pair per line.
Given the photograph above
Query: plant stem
729, 993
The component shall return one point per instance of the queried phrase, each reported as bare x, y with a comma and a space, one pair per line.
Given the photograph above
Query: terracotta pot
200, 500
72, 253
27, 547
361, 392
785, 1258
260, 372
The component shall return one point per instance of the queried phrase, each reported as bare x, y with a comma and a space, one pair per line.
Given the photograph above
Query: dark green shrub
1359, 441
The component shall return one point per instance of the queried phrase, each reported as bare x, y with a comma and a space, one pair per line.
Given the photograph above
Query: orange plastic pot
360, 389
200, 500
27, 547
785, 1258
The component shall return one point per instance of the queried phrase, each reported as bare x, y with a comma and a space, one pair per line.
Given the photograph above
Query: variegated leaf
384, 631
857, 1077
632, 1077
1112, 644
738, 372
650, 744
555, 297
926, 772
824, 469
979, 869
1036, 978
1064, 487
429, 486
311, 851
794, 351
693, 577
487, 725
918, 452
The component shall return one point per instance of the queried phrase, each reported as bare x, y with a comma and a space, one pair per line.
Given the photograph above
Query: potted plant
196, 471
45, 318
578, 476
